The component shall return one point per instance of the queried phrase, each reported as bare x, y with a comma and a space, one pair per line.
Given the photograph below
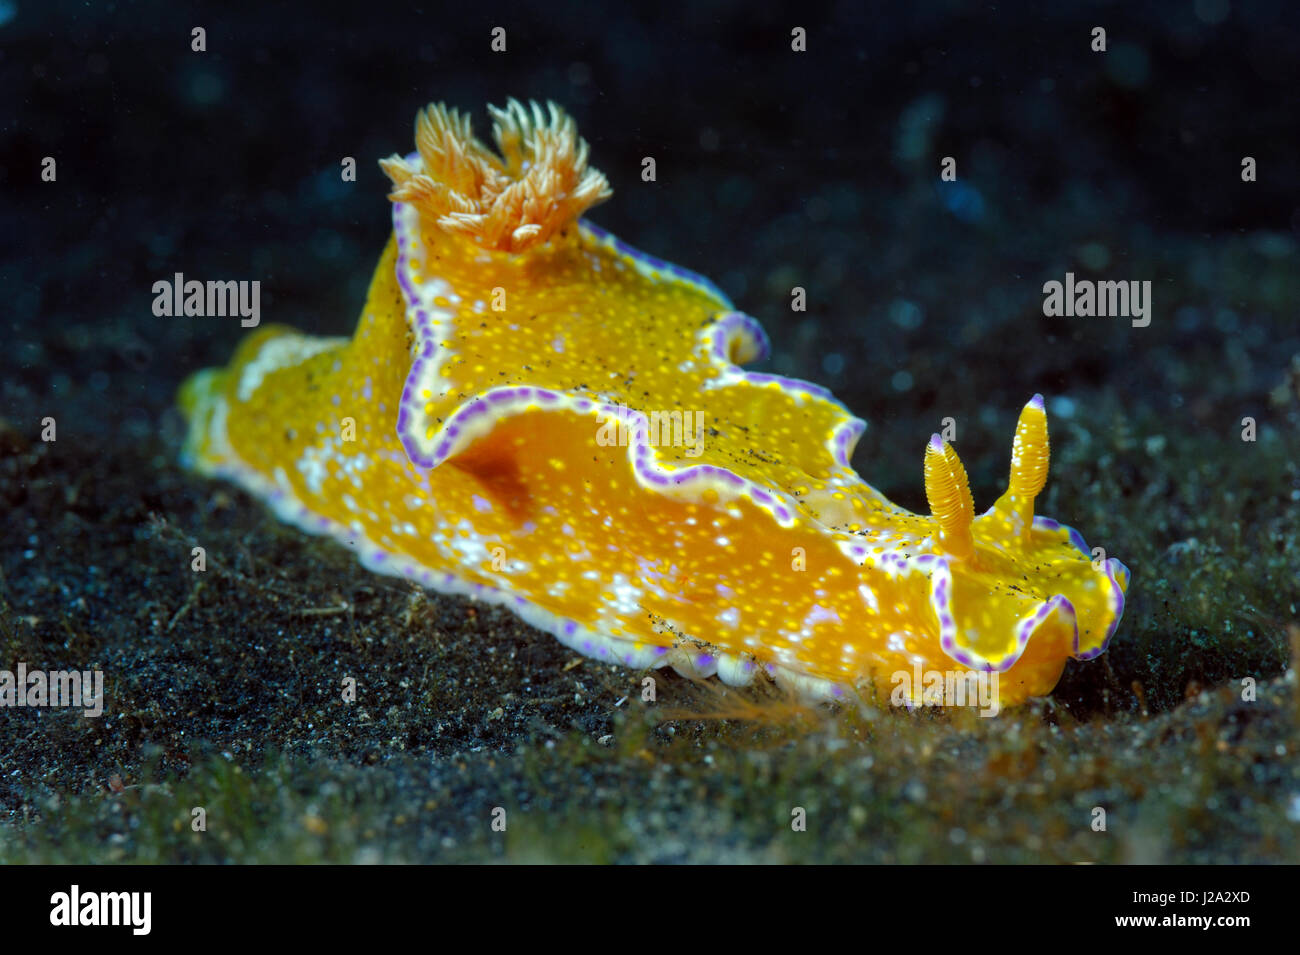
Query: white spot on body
819, 614
869, 597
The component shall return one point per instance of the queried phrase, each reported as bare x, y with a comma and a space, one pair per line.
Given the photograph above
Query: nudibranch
531, 412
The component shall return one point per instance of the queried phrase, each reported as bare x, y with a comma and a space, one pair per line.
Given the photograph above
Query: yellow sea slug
535, 414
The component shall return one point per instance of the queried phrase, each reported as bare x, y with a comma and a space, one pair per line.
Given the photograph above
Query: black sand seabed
775, 169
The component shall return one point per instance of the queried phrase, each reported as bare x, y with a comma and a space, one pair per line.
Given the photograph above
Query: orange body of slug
533, 413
